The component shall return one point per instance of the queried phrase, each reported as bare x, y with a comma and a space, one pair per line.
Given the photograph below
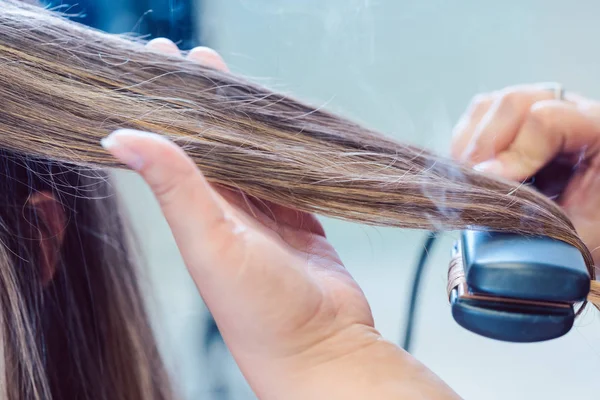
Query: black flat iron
514, 288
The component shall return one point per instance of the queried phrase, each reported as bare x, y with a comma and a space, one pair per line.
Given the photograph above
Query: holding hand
516, 131
295, 321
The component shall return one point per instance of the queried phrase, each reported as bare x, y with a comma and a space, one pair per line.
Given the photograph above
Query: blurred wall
175, 19
409, 69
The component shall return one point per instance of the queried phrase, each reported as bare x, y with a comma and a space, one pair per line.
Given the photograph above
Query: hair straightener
515, 288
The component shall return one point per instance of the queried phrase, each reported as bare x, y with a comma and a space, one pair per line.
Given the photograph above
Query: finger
268, 214
499, 127
191, 206
207, 57
243, 275
550, 128
164, 45
463, 131
183, 194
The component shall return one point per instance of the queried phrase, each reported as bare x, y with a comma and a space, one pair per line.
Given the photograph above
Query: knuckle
478, 142
456, 148
167, 191
207, 50
163, 44
543, 121
482, 139
509, 102
522, 157
169, 175
540, 119
541, 116
479, 103
476, 151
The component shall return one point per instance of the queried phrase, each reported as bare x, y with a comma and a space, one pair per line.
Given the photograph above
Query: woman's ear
50, 232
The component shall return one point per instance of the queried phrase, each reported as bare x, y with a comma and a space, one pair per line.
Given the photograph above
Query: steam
441, 179
439, 183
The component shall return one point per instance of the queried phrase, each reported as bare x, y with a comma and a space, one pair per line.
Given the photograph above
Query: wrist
354, 364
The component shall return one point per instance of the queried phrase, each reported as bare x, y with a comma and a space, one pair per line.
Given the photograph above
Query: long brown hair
85, 334
63, 87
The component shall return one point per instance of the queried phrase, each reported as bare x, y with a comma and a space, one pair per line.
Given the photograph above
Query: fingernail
493, 167
117, 144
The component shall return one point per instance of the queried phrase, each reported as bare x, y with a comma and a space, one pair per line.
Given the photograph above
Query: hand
516, 131
296, 322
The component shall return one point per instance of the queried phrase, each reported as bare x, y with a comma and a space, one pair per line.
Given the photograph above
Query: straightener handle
553, 178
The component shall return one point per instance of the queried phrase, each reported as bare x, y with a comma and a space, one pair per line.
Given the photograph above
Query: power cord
213, 343
416, 286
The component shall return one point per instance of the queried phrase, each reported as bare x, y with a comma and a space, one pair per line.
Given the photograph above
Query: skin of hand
516, 131
297, 324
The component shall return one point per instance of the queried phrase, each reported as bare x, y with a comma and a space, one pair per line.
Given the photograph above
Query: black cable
414, 296
212, 341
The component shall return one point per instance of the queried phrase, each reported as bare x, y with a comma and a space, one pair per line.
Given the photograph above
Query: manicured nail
493, 167
118, 144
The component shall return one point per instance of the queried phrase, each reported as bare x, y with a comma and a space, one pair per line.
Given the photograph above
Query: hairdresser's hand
516, 131
296, 322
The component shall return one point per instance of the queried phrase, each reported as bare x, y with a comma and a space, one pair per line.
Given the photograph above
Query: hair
84, 335
63, 87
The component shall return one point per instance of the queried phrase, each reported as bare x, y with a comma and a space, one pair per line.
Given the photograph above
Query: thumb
190, 205
552, 127
213, 238
251, 282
